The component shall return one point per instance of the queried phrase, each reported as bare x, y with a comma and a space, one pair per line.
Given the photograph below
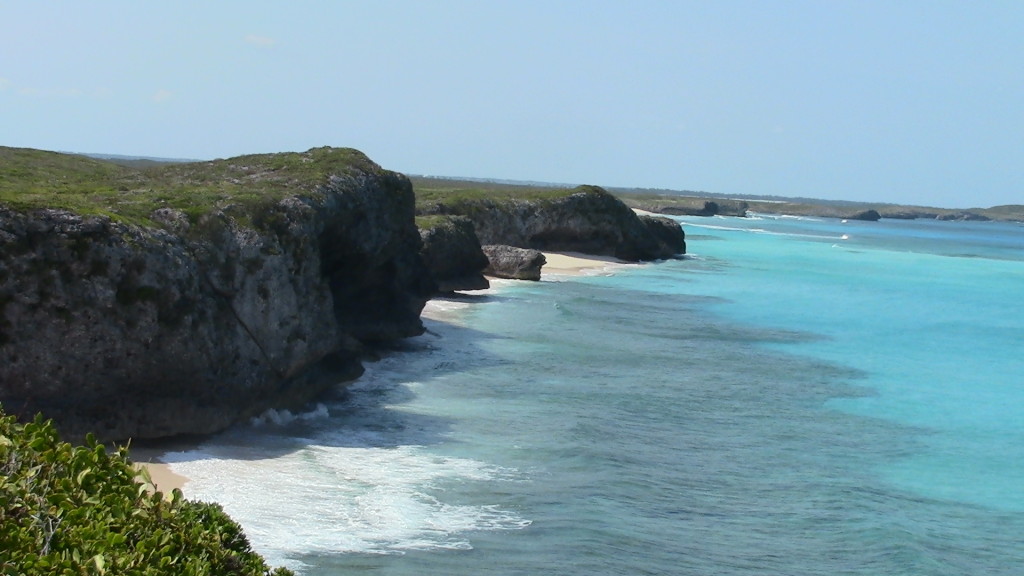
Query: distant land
691, 202
701, 203
136, 161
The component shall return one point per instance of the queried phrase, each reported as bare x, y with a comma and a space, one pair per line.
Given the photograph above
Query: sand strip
163, 477
577, 264
160, 472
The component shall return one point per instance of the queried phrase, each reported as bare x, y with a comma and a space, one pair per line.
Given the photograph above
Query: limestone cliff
514, 263
451, 252
586, 219
187, 315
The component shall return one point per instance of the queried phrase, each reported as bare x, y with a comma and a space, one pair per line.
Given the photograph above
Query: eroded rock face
667, 231
129, 331
590, 220
866, 215
515, 263
451, 252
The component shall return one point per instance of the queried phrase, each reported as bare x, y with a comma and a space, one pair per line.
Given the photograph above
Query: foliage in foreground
80, 510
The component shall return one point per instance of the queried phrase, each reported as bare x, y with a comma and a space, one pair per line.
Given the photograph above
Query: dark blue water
798, 397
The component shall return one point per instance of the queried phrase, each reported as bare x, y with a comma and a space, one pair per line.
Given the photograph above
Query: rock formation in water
586, 219
667, 231
515, 263
190, 317
870, 215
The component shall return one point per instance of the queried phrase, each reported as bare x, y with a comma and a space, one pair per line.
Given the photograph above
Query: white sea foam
726, 228
331, 499
767, 232
359, 477
761, 216
282, 417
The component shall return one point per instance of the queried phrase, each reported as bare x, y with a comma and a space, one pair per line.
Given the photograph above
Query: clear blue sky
898, 100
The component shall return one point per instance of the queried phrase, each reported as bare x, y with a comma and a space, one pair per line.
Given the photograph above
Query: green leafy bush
79, 510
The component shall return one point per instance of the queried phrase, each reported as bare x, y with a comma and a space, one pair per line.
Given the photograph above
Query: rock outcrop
689, 206
667, 231
515, 263
588, 220
193, 321
870, 215
451, 252
963, 216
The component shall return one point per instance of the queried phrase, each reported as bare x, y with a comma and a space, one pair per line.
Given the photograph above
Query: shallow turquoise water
784, 401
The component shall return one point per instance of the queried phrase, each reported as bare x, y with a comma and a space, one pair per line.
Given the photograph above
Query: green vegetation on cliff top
81, 510
431, 190
131, 191
35, 179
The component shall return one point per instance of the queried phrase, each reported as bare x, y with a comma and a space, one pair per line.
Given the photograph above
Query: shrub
81, 510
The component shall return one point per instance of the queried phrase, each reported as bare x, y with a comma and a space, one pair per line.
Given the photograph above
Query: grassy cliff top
34, 179
431, 192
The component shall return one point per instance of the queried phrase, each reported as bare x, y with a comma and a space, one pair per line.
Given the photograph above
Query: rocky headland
584, 219
180, 299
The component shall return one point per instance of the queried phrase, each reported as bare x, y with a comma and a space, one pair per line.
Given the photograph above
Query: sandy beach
577, 263
446, 308
163, 477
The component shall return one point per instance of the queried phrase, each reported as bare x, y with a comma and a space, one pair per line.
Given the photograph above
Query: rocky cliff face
667, 231
588, 220
189, 325
514, 263
451, 252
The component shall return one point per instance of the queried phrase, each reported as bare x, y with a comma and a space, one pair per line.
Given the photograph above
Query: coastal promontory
585, 219
179, 299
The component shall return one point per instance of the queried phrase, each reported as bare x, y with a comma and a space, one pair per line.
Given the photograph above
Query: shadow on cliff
370, 412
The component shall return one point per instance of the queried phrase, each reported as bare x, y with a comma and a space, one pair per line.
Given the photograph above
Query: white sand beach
160, 472
577, 263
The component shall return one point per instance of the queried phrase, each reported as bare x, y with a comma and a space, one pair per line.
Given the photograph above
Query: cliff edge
585, 219
181, 299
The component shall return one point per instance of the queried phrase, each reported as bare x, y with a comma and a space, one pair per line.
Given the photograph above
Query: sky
909, 101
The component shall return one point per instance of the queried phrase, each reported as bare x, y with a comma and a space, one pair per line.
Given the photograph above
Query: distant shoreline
683, 202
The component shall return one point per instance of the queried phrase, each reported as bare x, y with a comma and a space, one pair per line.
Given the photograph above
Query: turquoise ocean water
796, 397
